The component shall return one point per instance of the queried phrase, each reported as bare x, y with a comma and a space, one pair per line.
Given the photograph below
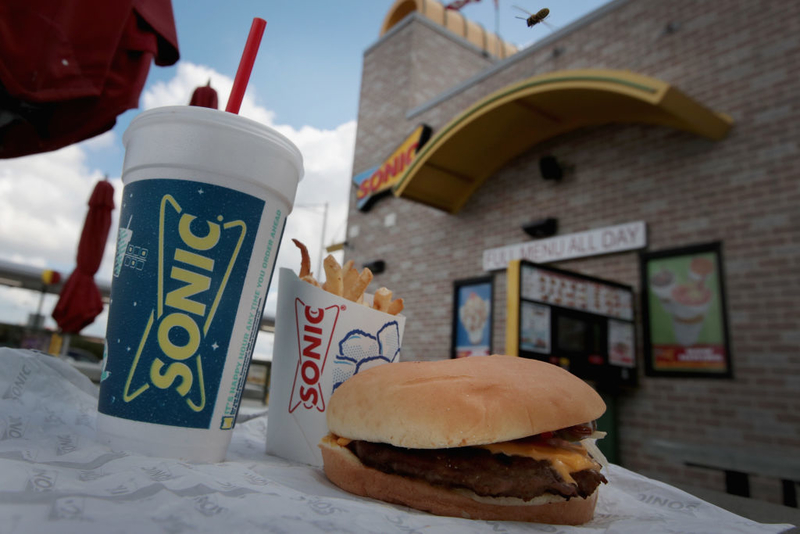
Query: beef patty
476, 469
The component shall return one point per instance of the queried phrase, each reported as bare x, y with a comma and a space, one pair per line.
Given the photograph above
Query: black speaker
550, 168
377, 266
541, 228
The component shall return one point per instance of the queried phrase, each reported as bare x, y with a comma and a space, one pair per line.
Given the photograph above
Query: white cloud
43, 197
327, 160
44, 201
102, 141
16, 304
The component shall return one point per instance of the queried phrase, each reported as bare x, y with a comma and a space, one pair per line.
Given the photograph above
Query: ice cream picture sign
684, 312
472, 317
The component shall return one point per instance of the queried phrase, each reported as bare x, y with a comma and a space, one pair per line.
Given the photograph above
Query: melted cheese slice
565, 460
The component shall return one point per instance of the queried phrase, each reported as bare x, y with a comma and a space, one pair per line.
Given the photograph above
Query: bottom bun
344, 469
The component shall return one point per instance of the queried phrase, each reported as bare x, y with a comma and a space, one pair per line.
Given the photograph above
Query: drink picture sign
535, 327
472, 318
621, 344
683, 306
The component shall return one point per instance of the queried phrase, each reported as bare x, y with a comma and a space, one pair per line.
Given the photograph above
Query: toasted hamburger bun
455, 403
461, 402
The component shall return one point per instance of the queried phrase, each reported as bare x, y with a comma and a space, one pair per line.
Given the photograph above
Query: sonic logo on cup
315, 328
186, 303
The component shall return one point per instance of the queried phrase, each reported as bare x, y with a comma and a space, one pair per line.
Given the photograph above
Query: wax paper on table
54, 477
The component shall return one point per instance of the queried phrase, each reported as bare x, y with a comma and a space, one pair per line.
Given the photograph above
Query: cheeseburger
498, 437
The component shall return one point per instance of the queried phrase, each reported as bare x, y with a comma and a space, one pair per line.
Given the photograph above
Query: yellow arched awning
477, 143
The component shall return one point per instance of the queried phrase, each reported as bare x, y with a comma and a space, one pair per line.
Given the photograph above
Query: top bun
461, 402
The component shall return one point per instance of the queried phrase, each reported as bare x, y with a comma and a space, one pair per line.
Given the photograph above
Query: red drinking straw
246, 65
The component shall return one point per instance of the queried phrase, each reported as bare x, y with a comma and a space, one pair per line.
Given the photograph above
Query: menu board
583, 324
576, 293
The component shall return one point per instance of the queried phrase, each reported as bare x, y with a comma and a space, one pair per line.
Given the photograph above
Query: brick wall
737, 57
402, 73
432, 76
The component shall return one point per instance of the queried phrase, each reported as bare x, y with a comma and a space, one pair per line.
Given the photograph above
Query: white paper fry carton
321, 340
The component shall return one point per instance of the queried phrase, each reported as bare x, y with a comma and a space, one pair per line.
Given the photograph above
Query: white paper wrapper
56, 478
321, 340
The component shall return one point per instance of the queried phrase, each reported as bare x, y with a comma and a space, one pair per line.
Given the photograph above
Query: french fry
349, 275
395, 307
356, 291
333, 276
311, 280
305, 260
381, 299
347, 282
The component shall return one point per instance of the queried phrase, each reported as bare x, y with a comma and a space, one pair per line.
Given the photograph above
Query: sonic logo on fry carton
321, 340
315, 327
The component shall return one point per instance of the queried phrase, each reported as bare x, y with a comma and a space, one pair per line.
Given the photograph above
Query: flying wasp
534, 18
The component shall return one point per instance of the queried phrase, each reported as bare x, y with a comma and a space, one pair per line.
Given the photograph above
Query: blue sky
305, 83
309, 65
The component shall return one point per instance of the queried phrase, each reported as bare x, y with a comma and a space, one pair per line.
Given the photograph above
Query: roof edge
519, 56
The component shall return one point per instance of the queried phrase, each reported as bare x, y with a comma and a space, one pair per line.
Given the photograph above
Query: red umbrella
80, 302
205, 96
67, 69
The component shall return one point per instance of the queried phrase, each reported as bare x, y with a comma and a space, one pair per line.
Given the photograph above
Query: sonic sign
377, 181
